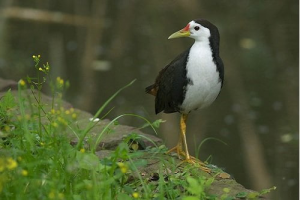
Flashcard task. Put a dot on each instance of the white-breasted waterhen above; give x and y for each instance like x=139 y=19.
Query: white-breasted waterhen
x=193 y=80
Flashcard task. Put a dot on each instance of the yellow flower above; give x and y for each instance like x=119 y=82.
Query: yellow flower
x=6 y=128
x=39 y=56
x=82 y=150
x=22 y=82
x=74 y=116
x=33 y=56
x=52 y=111
x=54 y=124
x=24 y=172
x=123 y=167
x=51 y=195
x=11 y=164
x=40 y=69
x=67 y=112
x=135 y=195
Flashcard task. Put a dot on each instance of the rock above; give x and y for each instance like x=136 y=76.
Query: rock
x=7 y=84
x=112 y=135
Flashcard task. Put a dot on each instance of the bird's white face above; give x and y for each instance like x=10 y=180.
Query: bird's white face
x=197 y=31
x=193 y=30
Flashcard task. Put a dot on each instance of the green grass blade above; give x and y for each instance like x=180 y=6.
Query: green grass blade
x=91 y=124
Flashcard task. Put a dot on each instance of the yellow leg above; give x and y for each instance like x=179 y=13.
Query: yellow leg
x=183 y=135
x=178 y=148
x=182 y=149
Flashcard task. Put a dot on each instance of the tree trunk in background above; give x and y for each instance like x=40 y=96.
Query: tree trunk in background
x=3 y=43
x=57 y=55
x=253 y=149
x=123 y=32
x=93 y=36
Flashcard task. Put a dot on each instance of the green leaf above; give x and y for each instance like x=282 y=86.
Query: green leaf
x=88 y=161
x=7 y=101
x=190 y=198
x=123 y=196
x=226 y=190
x=252 y=195
x=194 y=187
x=266 y=191
x=241 y=195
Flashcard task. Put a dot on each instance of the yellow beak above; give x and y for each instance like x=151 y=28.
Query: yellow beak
x=185 y=32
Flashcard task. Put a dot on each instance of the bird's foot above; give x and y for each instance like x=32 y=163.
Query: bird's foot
x=189 y=159
x=197 y=163
x=178 y=149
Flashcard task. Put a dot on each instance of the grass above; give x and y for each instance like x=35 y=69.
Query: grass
x=37 y=160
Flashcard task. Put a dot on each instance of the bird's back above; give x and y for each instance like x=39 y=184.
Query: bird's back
x=170 y=84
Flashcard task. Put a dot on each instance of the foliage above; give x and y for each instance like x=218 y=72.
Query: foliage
x=37 y=160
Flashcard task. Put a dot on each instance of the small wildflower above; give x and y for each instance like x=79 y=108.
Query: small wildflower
x=52 y=111
x=33 y=56
x=22 y=82
x=60 y=82
x=6 y=128
x=82 y=150
x=94 y=119
x=51 y=195
x=24 y=172
x=11 y=164
x=40 y=69
x=54 y=124
x=74 y=116
x=123 y=167
x=67 y=112
x=39 y=56
x=135 y=195
x=60 y=119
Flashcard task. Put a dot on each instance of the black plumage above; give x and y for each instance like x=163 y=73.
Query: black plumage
x=170 y=85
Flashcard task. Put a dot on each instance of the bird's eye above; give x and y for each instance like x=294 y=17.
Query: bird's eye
x=197 y=28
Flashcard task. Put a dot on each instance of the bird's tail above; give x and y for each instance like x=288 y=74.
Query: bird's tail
x=152 y=89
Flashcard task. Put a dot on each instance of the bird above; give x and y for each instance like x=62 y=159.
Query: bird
x=192 y=81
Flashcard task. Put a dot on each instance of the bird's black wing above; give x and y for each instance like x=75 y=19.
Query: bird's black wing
x=171 y=83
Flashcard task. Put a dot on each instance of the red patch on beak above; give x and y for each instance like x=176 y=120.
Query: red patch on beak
x=187 y=28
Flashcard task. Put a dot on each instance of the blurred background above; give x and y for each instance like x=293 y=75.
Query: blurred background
x=101 y=45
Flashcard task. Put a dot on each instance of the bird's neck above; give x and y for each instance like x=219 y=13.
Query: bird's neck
x=201 y=46
x=207 y=45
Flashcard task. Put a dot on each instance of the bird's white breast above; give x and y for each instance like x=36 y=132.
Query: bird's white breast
x=204 y=85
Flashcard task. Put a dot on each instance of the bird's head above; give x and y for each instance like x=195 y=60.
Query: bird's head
x=197 y=29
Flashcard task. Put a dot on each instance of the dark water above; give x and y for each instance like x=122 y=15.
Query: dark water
x=256 y=114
